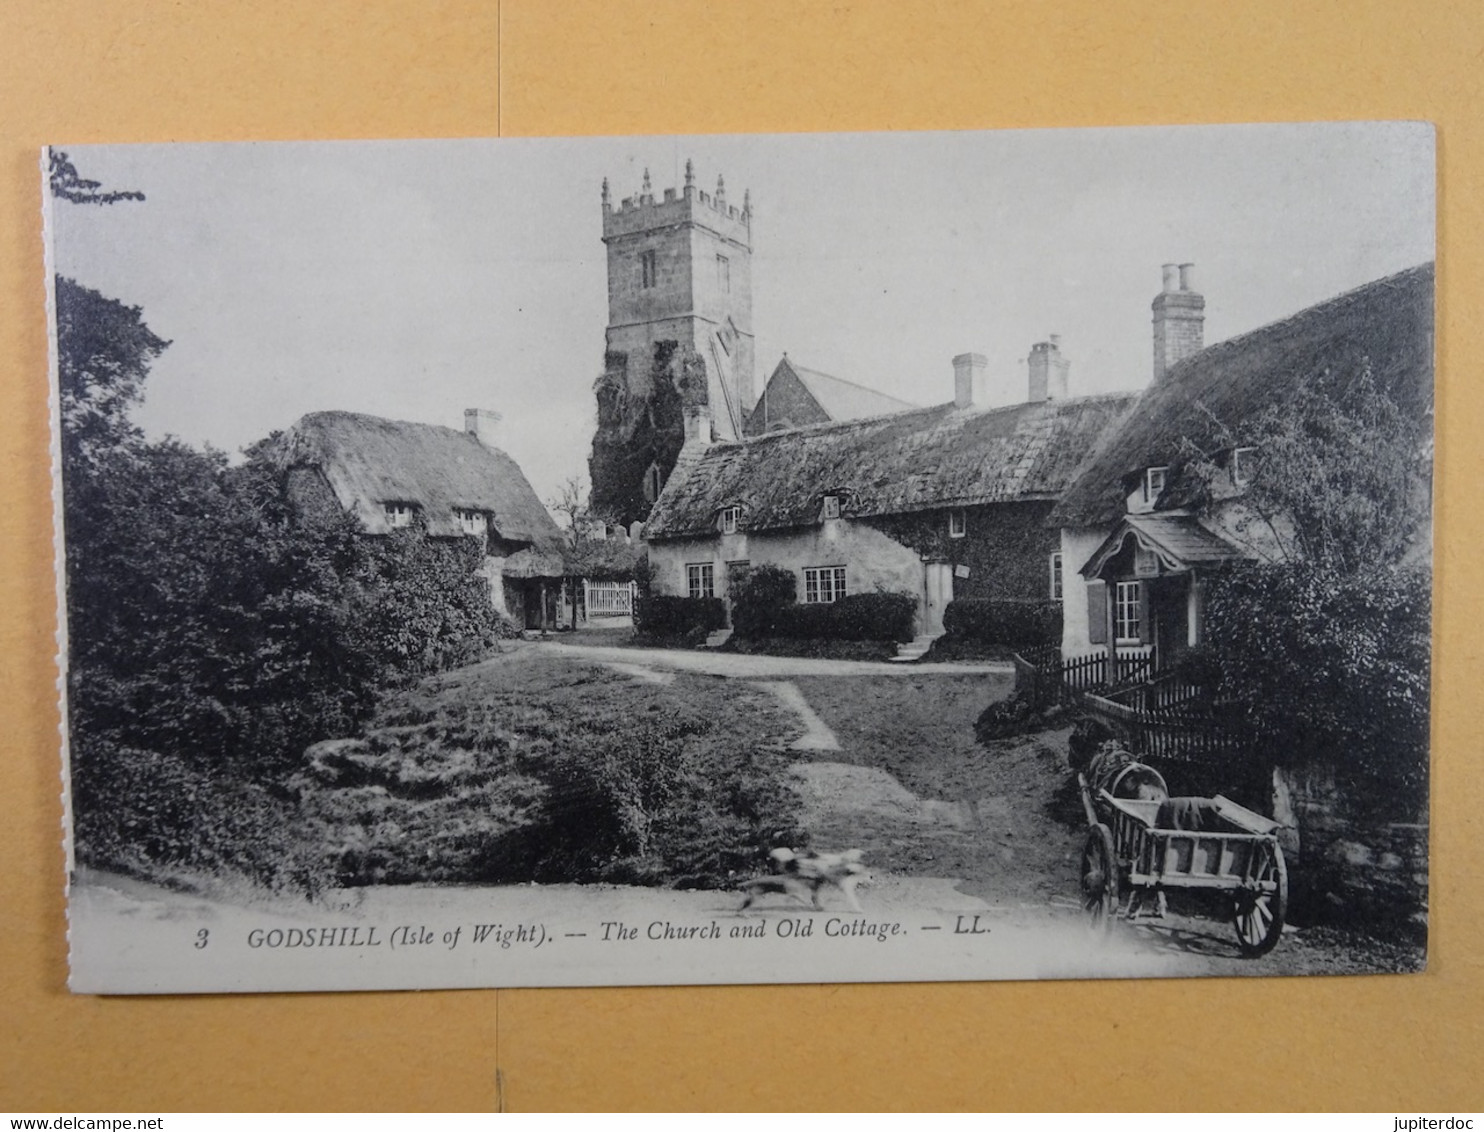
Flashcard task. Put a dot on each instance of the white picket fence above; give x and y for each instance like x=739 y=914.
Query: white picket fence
x=609 y=599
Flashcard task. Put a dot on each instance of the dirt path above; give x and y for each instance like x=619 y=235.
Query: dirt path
x=752 y=667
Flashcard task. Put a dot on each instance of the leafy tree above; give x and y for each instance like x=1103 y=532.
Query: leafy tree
x=69 y=185
x=1323 y=648
x=104 y=354
x=1339 y=476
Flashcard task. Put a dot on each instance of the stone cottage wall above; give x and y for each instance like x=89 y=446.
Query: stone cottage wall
x=1348 y=858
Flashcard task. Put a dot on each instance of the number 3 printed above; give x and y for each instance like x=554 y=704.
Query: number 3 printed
x=202 y=937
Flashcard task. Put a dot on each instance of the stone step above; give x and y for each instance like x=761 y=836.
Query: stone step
x=718 y=638
x=913 y=650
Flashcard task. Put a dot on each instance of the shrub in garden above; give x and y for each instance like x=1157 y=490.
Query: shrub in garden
x=661 y=615
x=759 y=595
x=1011 y=623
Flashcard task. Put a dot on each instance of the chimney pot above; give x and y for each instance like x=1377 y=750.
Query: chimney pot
x=1179 y=318
x=969 y=380
x=1046 y=371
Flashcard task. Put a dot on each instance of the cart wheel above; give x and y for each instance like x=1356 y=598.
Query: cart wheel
x=1099 y=878
x=1259 y=909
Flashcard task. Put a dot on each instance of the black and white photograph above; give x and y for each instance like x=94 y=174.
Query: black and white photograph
x=744 y=559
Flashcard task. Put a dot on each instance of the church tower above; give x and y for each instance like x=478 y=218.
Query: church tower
x=679 y=296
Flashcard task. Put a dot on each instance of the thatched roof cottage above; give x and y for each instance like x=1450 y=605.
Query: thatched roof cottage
x=1126 y=524
x=942 y=502
x=392 y=474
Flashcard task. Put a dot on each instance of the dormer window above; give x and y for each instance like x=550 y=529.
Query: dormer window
x=471 y=522
x=729 y=519
x=1154 y=484
x=1244 y=464
x=399 y=514
x=831 y=506
x=958 y=523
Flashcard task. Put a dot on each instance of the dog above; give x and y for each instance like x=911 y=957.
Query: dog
x=795 y=874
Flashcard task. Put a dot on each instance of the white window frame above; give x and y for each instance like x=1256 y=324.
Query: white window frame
x=1056 y=578
x=399 y=515
x=823 y=585
x=473 y=522
x=1127 y=597
x=1154 y=483
x=958 y=523
x=831 y=507
x=700 y=579
x=730 y=516
x=1240 y=456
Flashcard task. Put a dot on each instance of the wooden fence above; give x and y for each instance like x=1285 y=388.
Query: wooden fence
x=1160 y=717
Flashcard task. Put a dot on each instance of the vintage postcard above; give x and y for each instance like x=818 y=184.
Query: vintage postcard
x=744 y=559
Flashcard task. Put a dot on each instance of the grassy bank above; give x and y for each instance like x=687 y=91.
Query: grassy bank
x=529 y=767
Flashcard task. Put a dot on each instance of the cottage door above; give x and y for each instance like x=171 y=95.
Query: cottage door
x=937 y=592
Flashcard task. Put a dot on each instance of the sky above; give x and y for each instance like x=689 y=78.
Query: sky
x=415 y=279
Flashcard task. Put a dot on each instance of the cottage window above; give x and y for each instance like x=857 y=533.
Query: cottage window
x=824 y=584
x=831 y=506
x=472 y=522
x=729 y=519
x=700 y=579
x=723 y=273
x=958 y=523
x=1154 y=484
x=648 y=268
x=1056 y=577
x=1244 y=463
x=399 y=514
x=1127 y=609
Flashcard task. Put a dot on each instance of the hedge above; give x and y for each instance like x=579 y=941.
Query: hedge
x=763 y=606
x=663 y=616
x=1003 y=622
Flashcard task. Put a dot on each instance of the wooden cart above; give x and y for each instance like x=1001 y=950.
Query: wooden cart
x=1129 y=853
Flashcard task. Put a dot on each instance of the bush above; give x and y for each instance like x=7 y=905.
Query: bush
x=664 y=616
x=1330 y=669
x=1017 y=715
x=759 y=595
x=1014 y=623
x=763 y=606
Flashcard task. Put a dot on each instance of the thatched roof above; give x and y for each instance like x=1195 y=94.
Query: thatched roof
x=1386 y=325
x=370 y=462
x=902 y=462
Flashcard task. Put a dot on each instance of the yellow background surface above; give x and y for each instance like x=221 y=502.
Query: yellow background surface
x=74 y=71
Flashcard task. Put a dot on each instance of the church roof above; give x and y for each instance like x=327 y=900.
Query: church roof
x=1385 y=327
x=907 y=461
x=845 y=400
x=370 y=462
x=836 y=399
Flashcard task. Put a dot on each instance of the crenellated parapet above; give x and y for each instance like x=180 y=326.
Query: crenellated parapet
x=644 y=212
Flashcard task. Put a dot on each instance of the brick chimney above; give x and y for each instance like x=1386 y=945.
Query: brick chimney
x=1048 y=371
x=483 y=425
x=969 y=381
x=1179 y=318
